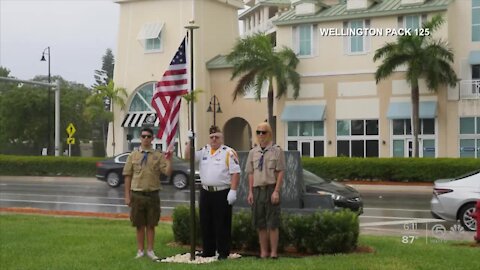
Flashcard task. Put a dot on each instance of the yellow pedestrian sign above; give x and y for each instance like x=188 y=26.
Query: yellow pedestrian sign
x=71 y=130
x=70 y=140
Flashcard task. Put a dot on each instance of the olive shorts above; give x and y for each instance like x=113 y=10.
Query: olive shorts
x=145 y=208
x=265 y=215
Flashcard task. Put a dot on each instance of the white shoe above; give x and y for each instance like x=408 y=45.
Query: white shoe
x=139 y=254
x=152 y=255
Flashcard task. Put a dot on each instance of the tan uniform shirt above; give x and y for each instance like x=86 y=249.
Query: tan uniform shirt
x=273 y=162
x=145 y=172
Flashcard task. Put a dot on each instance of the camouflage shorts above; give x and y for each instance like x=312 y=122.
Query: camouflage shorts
x=145 y=208
x=265 y=215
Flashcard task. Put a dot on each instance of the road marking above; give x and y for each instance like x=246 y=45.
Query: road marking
x=386 y=217
x=398 y=209
x=400 y=222
x=89 y=197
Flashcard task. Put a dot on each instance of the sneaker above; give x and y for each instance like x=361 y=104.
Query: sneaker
x=139 y=254
x=152 y=255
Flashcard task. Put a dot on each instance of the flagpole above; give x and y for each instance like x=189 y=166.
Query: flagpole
x=192 y=27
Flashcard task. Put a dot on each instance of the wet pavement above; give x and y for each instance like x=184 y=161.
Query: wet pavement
x=389 y=210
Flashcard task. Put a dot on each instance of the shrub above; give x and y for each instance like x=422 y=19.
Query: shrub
x=244 y=235
x=319 y=232
x=181 y=224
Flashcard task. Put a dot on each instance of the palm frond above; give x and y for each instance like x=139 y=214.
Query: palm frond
x=245 y=82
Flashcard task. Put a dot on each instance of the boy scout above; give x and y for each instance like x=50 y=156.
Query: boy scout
x=142 y=183
x=265 y=168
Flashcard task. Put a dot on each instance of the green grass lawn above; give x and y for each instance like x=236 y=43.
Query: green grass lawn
x=44 y=242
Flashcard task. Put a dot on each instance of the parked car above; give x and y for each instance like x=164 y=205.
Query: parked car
x=455 y=199
x=110 y=170
x=343 y=196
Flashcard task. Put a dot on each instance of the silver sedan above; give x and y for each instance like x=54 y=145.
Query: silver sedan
x=455 y=199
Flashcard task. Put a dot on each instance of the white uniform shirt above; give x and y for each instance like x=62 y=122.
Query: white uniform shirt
x=215 y=170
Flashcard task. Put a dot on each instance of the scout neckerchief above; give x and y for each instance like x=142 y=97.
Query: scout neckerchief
x=263 y=151
x=145 y=157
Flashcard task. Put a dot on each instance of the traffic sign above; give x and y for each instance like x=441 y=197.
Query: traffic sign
x=71 y=130
x=70 y=140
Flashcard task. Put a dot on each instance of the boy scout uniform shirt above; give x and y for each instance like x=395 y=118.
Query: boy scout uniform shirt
x=273 y=161
x=145 y=173
x=216 y=168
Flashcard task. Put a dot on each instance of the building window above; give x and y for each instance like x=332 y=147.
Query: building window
x=356 y=42
x=412 y=22
x=470 y=137
x=304 y=39
x=153 y=44
x=150 y=36
x=357 y=138
x=306 y=137
x=475 y=20
x=402 y=139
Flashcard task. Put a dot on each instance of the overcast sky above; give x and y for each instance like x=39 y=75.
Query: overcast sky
x=77 y=31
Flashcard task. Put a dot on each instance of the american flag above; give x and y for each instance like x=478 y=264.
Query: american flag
x=167 y=97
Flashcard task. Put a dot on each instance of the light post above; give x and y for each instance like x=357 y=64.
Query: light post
x=215 y=102
x=47 y=52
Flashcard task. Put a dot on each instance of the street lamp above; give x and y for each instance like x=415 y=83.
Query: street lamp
x=214 y=101
x=47 y=52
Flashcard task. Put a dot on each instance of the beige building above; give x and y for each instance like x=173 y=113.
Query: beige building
x=341 y=110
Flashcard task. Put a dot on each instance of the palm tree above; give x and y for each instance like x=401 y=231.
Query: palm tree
x=424 y=57
x=256 y=61
x=106 y=94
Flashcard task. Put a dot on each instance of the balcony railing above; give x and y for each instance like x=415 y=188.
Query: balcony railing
x=264 y=27
x=470 y=89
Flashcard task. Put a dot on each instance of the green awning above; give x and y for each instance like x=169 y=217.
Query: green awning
x=303 y=113
x=474 y=58
x=403 y=110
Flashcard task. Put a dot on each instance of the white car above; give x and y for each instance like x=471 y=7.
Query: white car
x=455 y=199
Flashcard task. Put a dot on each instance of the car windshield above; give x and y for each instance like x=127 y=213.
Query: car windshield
x=310 y=178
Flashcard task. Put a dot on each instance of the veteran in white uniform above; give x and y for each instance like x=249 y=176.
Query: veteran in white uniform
x=220 y=174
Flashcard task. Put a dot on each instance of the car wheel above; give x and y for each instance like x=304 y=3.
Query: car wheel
x=467 y=221
x=113 y=179
x=180 y=180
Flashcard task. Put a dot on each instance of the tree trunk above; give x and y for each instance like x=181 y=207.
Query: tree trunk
x=104 y=139
x=415 y=117
x=113 y=133
x=270 y=111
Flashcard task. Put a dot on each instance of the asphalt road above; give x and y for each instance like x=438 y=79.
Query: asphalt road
x=392 y=210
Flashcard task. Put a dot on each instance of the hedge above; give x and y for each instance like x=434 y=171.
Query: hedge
x=390 y=169
x=337 y=168
x=47 y=165
x=324 y=232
